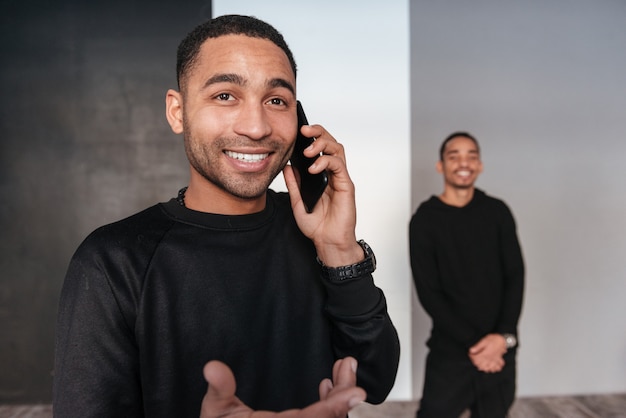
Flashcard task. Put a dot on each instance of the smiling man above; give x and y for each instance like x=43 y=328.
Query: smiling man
x=469 y=274
x=228 y=270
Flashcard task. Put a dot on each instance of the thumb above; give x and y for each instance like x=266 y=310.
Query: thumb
x=220 y=379
x=220 y=399
x=477 y=348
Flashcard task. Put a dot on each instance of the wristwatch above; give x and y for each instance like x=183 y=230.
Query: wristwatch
x=511 y=340
x=366 y=266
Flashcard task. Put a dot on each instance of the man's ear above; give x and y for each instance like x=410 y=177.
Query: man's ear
x=174 y=110
x=439 y=167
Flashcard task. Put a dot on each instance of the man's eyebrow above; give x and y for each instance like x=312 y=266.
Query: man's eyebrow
x=225 y=78
x=240 y=81
x=281 y=82
x=456 y=151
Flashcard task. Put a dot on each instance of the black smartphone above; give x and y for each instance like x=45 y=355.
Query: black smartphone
x=311 y=186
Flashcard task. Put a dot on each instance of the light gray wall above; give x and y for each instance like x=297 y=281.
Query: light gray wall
x=543 y=87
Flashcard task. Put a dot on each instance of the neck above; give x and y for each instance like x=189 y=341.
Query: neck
x=456 y=196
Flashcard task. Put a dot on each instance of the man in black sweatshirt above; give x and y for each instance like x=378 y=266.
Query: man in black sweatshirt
x=228 y=270
x=469 y=275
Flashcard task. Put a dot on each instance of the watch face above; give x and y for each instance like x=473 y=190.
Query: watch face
x=511 y=341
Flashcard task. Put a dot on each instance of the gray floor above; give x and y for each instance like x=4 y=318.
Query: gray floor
x=590 y=406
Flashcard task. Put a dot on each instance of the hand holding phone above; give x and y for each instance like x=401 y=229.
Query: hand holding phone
x=311 y=186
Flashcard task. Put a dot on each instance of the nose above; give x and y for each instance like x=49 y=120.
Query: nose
x=252 y=122
x=464 y=161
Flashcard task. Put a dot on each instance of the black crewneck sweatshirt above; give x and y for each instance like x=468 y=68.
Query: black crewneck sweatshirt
x=148 y=300
x=468 y=270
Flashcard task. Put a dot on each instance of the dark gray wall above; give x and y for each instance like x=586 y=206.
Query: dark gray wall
x=84 y=141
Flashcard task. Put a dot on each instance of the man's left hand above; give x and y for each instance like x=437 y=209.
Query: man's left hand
x=487 y=354
x=337 y=396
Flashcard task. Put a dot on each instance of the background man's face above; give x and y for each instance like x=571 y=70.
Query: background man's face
x=461 y=163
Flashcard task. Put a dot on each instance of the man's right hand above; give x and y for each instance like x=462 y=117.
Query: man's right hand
x=337 y=396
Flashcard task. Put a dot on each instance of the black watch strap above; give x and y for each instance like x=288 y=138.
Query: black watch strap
x=353 y=271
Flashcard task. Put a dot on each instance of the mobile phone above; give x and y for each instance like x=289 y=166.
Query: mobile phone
x=311 y=186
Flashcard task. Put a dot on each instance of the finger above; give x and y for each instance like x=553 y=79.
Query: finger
x=316 y=131
x=325 y=387
x=292 y=185
x=336 y=400
x=220 y=398
x=344 y=376
x=335 y=406
x=295 y=197
x=479 y=345
x=344 y=372
x=324 y=142
x=477 y=348
x=333 y=158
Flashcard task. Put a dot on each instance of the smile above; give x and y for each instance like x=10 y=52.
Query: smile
x=248 y=158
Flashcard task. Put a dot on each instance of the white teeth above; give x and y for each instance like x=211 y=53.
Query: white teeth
x=249 y=158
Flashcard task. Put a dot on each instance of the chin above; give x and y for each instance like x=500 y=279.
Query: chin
x=249 y=193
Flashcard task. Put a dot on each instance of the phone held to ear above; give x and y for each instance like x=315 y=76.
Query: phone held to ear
x=311 y=186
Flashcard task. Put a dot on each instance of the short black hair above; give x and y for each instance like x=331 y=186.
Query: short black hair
x=189 y=47
x=456 y=135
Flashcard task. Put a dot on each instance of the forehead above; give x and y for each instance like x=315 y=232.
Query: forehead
x=461 y=144
x=239 y=54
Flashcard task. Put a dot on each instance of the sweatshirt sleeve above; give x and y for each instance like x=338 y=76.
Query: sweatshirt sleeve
x=363 y=330
x=426 y=276
x=513 y=268
x=96 y=372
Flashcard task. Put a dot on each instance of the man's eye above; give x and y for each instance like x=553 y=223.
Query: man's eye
x=223 y=96
x=276 y=101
